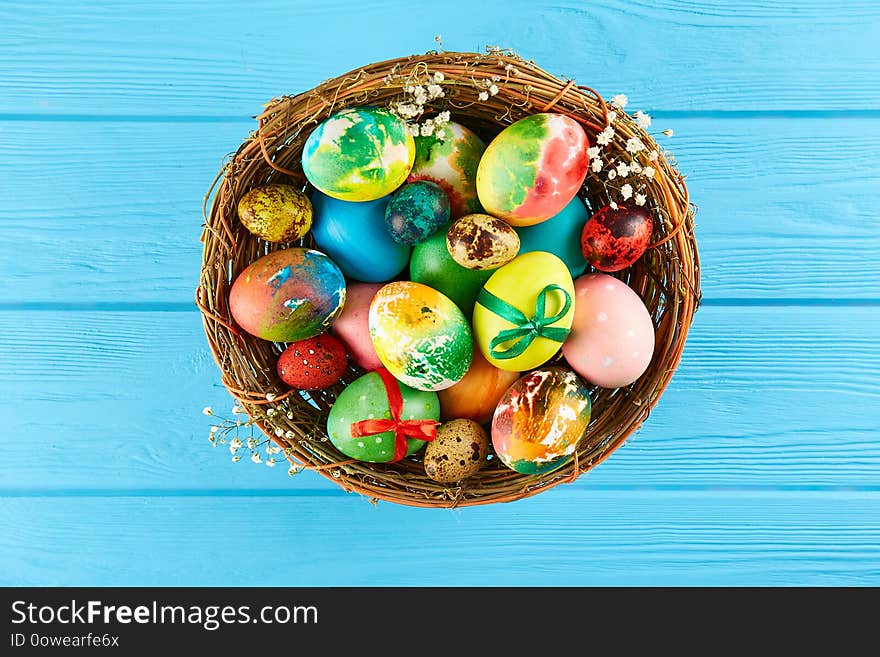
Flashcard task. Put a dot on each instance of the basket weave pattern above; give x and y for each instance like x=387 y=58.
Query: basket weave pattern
x=667 y=277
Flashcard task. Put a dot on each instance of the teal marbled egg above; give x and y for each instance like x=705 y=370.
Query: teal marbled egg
x=416 y=211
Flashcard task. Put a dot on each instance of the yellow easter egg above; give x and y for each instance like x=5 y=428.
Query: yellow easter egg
x=524 y=312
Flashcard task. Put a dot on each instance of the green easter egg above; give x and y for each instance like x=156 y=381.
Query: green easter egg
x=366 y=398
x=432 y=265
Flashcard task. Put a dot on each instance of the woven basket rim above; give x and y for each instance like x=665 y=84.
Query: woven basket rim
x=667 y=278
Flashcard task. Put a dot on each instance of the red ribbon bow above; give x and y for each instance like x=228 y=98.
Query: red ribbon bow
x=403 y=429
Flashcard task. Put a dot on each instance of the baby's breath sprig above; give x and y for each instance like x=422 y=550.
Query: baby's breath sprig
x=240 y=436
x=624 y=179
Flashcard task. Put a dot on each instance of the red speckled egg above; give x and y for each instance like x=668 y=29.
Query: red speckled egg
x=614 y=239
x=313 y=364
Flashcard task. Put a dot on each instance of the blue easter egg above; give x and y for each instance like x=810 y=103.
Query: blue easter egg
x=559 y=235
x=353 y=234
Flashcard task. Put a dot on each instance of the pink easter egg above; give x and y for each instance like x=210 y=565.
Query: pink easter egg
x=612 y=336
x=353 y=324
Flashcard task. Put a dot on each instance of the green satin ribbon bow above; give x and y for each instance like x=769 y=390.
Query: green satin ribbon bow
x=525 y=330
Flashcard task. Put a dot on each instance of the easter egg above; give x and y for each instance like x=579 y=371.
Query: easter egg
x=614 y=239
x=416 y=211
x=458 y=452
x=432 y=265
x=353 y=324
x=366 y=398
x=359 y=154
x=533 y=168
x=313 y=364
x=540 y=419
x=510 y=303
x=420 y=335
x=354 y=235
x=559 y=235
x=477 y=394
x=612 y=337
x=288 y=295
x=276 y=213
x=478 y=241
x=451 y=162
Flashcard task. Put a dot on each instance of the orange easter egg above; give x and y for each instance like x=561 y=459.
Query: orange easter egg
x=477 y=394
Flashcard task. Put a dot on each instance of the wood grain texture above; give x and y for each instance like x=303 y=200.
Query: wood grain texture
x=107 y=57
x=780 y=397
x=561 y=538
x=123 y=227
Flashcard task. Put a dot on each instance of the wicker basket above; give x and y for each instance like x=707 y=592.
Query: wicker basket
x=666 y=277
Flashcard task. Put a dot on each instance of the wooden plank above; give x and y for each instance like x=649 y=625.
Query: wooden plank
x=226 y=58
x=778 y=397
x=110 y=212
x=564 y=538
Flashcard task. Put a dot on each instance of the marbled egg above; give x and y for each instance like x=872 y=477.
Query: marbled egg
x=432 y=265
x=452 y=163
x=533 y=169
x=353 y=324
x=478 y=241
x=476 y=395
x=354 y=235
x=612 y=337
x=276 y=213
x=519 y=284
x=313 y=363
x=614 y=239
x=559 y=235
x=420 y=335
x=540 y=419
x=359 y=154
x=458 y=452
x=416 y=211
x=288 y=295
x=366 y=398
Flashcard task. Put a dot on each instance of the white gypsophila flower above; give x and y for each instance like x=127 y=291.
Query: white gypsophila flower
x=236 y=458
x=271 y=412
x=493 y=90
x=279 y=432
x=435 y=91
x=427 y=129
x=483 y=95
x=640 y=199
x=626 y=191
x=669 y=132
x=612 y=117
x=440 y=134
x=255 y=457
x=270 y=463
x=438 y=76
x=443 y=118
x=604 y=138
x=289 y=435
x=215 y=429
x=232 y=449
x=634 y=145
x=251 y=443
x=622 y=169
x=619 y=101
x=596 y=165
x=653 y=155
x=207 y=410
x=272 y=449
x=648 y=172
x=593 y=152
x=271 y=396
x=412 y=129
x=237 y=410
x=612 y=174
x=642 y=118
x=612 y=205
x=292 y=470
x=236 y=442
x=635 y=167
x=212 y=439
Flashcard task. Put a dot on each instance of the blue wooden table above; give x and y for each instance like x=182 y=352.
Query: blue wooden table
x=761 y=464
